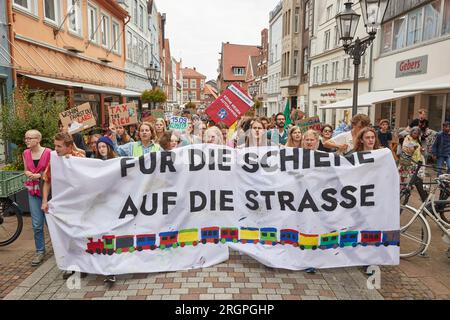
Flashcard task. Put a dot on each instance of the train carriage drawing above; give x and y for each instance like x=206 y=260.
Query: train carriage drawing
x=391 y=238
x=229 y=235
x=125 y=244
x=145 y=242
x=329 y=240
x=210 y=235
x=289 y=236
x=168 y=240
x=348 y=239
x=308 y=241
x=268 y=236
x=188 y=237
x=370 y=238
x=95 y=246
x=249 y=235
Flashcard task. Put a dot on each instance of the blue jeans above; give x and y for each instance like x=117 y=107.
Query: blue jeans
x=440 y=162
x=37 y=221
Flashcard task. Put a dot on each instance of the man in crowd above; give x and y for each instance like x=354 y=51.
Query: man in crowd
x=279 y=134
x=64 y=146
x=441 y=148
x=344 y=142
x=384 y=134
x=420 y=122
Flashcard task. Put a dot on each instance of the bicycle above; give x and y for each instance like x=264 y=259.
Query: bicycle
x=415 y=230
x=11 y=221
x=417 y=181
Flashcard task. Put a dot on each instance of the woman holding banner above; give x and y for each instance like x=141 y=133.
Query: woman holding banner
x=310 y=140
x=294 y=138
x=367 y=140
x=35 y=159
x=256 y=136
x=213 y=135
x=146 y=145
x=169 y=140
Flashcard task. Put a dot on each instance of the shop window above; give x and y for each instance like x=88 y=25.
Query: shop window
x=436 y=111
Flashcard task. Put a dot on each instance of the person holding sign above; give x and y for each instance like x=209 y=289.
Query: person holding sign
x=294 y=138
x=146 y=145
x=35 y=160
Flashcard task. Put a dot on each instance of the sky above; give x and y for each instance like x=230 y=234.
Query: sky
x=197 y=28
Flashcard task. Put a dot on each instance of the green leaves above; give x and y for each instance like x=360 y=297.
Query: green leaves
x=154 y=95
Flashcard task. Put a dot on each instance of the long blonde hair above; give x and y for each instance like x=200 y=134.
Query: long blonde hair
x=290 y=141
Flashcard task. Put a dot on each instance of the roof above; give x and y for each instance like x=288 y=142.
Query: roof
x=191 y=73
x=236 y=55
x=252 y=67
x=210 y=90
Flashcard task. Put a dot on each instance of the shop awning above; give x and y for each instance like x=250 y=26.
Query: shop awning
x=86 y=86
x=368 y=99
x=440 y=83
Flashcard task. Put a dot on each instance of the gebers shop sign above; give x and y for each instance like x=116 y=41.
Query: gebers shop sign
x=412 y=66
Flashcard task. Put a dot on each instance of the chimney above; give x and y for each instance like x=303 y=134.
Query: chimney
x=195 y=69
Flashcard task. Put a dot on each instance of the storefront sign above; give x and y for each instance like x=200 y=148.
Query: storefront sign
x=230 y=106
x=412 y=66
x=123 y=114
x=78 y=118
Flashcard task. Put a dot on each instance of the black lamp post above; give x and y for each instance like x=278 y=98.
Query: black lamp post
x=153 y=74
x=347 y=23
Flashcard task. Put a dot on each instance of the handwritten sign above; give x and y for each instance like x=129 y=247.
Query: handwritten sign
x=178 y=123
x=78 y=118
x=309 y=123
x=123 y=114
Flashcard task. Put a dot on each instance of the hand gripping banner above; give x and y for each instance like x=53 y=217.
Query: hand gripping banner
x=287 y=208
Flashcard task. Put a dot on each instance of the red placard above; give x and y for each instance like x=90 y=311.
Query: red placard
x=230 y=106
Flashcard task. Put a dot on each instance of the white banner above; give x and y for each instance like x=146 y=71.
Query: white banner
x=287 y=208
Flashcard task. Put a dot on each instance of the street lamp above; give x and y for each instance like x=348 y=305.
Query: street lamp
x=153 y=74
x=347 y=23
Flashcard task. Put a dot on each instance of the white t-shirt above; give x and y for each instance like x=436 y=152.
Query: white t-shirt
x=344 y=138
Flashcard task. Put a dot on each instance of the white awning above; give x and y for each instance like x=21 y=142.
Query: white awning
x=440 y=83
x=368 y=99
x=86 y=86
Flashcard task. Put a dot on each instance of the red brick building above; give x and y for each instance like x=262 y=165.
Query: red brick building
x=193 y=86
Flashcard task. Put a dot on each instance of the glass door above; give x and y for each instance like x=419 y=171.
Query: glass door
x=436 y=111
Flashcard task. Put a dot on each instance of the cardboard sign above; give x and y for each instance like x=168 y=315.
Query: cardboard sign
x=309 y=123
x=158 y=113
x=123 y=114
x=178 y=123
x=78 y=118
x=230 y=106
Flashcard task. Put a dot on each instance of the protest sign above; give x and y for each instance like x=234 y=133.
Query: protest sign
x=178 y=123
x=123 y=114
x=78 y=118
x=232 y=104
x=287 y=208
x=309 y=123
x=158 y=113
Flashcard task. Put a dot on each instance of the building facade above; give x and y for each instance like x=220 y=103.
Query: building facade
x=74 y=48
x=331 y=69
x=193 y=86
x=141 y=36
x=274 y=99
x=411 y=57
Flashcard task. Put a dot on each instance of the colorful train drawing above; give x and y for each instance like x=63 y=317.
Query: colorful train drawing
x=110 y=244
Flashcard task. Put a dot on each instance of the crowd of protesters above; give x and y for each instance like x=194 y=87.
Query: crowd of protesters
x=149 y=137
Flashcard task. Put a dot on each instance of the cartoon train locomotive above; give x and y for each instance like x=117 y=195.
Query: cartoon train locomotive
x=110 y=244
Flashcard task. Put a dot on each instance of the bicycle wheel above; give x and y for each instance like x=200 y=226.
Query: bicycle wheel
x=414 y=238
x=11 y=222
x=445 y=215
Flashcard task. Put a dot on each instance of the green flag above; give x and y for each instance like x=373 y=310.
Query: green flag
x=287 y=114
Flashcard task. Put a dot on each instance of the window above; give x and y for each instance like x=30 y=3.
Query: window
x=329 y=12
x=347 y=69
x=92 y=23
x=415 y=23
x=336 y=37
x=399 y=33
x=295 y=63
x=135 y=49
x=325 y=73
x=431 y=19
x=237 y=71
x=193 y=84
x=362 y=66
x=446 y=18
x=306 y=18
x=135 y=12
x=202 y=84
x=74 y=16
x=327 y=40
x=140 y=59
x=116 y=37
x=141 y=17
x=146 y=58
x=297 y=19
x=105 y=30
x=185 y=84
x=51 y=10
x=335 y=71
x=27 y=5
x=129 y=46
x=386 y=44
x=305 y=61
